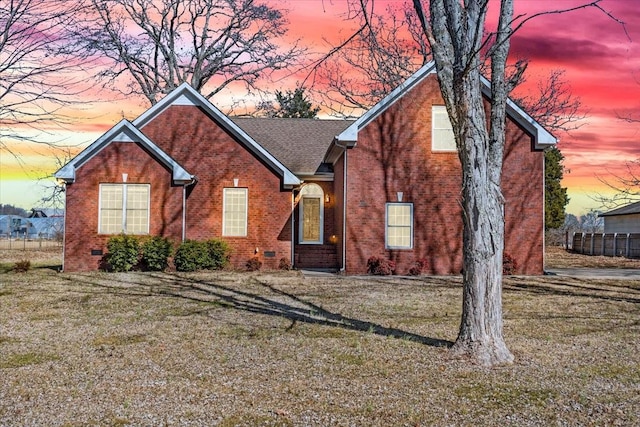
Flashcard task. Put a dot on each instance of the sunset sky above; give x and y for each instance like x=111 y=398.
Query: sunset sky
x=601 y=63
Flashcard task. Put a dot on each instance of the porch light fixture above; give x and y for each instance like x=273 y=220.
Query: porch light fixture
x=327 y=199
x=399 y=194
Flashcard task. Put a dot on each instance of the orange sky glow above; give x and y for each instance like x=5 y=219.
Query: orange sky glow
x=601 y=63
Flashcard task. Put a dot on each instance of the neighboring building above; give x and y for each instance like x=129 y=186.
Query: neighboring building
x=622 y=220
x=321 y=194
x=12 y=226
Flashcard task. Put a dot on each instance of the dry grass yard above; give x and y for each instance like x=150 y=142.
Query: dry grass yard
x=279 y=349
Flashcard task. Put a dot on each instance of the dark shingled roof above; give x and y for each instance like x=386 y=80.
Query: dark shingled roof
x=633 y=208
x=300 y=144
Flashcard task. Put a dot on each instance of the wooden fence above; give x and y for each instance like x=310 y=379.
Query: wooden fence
x=607 y=244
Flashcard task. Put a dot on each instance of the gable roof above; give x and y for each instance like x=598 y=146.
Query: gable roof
x=301 y=144
x=542 y=137
x=633 y=208
x=124 y=131
x=186 y=95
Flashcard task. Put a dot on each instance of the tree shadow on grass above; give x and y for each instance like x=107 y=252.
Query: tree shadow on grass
x=273 y=302
x=575 y=287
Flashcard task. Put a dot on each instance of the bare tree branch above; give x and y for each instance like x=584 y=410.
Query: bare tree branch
x=37 y=64
x=150 y=47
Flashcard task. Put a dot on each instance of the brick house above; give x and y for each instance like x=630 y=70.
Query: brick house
x=319 y=193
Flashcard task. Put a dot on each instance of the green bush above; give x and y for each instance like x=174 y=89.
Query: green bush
x=191 y=255
x=194 y=255
x=123 y=252
x=156 y=252
x=219 y=252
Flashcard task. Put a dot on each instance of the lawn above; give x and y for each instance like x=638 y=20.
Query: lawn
x=280 y=349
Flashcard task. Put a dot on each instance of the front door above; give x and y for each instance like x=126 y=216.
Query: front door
x=311 y=214
x=311 y=220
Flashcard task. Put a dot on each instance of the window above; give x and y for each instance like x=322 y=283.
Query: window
x=124 y=208
x=234 y=218
x=442 y=138
x=311 y=208
x=399 y=225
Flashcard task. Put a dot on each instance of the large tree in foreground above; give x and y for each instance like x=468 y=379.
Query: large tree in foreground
x=458 y=35
x=149 y=47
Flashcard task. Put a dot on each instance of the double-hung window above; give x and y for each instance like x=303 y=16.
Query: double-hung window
x=399 y=226
x=124 y=208
x=442 y=138
x=234 y=206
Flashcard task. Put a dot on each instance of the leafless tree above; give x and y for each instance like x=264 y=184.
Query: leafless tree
x=463 y=47
x=374 y=62
x=458 y=33
x=37 y=68
x=149 y=47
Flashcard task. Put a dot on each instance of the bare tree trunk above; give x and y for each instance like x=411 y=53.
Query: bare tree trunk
x=480 y=336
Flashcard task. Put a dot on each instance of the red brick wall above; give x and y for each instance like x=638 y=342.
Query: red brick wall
x=81 y=234
x=205 y=150
x=394 y=154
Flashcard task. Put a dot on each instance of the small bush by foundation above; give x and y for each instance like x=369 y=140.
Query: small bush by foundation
x=194 y=255
x=155 y=253
x=123 y=252
x=380 y=266
x=284 y=264
x=253 y=264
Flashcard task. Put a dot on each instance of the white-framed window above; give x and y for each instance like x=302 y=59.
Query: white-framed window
x=311 y=209
x=235 y=207
x=442 y=138
x=124 y=208
x=399 y=226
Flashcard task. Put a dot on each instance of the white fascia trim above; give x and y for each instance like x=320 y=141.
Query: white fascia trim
x=124 y=131
x=350 y=134
x=542 y=138
x=186 y=95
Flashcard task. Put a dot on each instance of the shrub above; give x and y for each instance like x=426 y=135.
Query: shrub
x=191 y=255
x=509 y=264
x=22 y=266
x=194 y=255
x=418 y=267
x=253 y=264
x=219 y=252
x=380 y=266
x=156 y=252
x=284 y=264
x=123 y=252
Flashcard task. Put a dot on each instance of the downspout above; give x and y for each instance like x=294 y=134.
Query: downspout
x=293 y=227
x=344 y=207
x=184 y=206
x=64 y=219
x=544 y=211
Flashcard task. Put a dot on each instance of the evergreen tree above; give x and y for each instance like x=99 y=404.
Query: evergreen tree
x=294 y=104
x=555 y=195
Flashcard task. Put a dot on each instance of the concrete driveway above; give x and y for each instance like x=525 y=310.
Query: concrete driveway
x=599 y=273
